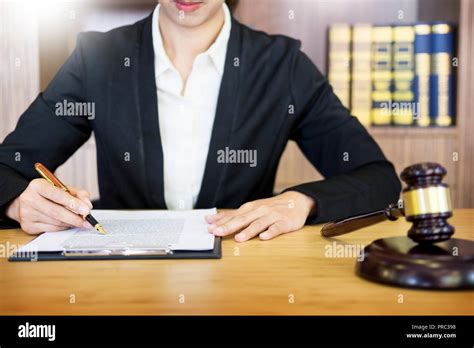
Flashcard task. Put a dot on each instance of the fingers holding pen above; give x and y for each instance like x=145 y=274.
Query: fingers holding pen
x=81 y=194
x=57 y=212
x=61 y=197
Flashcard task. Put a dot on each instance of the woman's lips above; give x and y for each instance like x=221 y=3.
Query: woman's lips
x=187 y=6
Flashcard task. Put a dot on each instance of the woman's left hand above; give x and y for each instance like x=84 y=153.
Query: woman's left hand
x=267 y=218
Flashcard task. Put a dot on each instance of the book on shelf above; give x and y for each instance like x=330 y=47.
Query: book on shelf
x=422 y=73
x=382 y=75
x=339 y=61
x=441 y=78
x=361 y=86
x=404 y=108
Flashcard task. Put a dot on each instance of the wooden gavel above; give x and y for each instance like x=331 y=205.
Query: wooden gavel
x=428 y=258
x=426 y=203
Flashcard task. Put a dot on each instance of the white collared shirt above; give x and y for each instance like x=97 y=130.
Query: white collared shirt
x=186 y=120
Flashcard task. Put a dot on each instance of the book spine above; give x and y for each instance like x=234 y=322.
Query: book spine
x=422 y=73
x=403 y=110
x=381 y=75
x=441 y=79
x=361 y=87
x=339 y=61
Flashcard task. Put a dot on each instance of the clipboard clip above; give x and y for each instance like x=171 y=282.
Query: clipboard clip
x=116 y=252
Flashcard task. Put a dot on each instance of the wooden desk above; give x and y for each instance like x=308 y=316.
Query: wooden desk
x=252 y=278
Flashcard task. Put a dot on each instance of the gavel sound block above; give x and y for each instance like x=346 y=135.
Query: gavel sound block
x=428 y=257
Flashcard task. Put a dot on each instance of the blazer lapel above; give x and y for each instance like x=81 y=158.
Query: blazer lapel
x=225 y=114
x=152 y=150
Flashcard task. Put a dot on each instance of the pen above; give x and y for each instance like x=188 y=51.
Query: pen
x=53 y=180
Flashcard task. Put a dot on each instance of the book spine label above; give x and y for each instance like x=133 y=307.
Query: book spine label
x=441 y=78
x=381 y=75
x=339 y=73
x=404 y=107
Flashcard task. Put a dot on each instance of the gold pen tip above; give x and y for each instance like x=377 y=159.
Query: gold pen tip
x=99 y=228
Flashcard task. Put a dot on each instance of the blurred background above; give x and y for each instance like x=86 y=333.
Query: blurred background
x=37 y=36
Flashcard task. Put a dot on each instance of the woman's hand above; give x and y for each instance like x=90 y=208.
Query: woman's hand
x=267 y=218
x=43 y=207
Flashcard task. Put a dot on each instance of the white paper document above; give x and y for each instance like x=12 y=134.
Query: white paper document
x=140 y=229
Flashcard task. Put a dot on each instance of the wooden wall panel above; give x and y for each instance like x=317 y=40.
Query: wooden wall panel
x=465 y=104
x=19 y=69
x=407 y=149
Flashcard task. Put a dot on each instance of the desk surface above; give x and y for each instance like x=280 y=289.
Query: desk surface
x=289 y=275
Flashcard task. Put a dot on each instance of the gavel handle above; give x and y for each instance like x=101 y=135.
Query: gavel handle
x=332 y=229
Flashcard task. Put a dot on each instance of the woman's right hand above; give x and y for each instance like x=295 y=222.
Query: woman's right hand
x=44 y=207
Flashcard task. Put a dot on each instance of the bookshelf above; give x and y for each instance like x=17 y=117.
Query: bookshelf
x=54 y=37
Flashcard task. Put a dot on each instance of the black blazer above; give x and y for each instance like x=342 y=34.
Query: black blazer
x=270 y=93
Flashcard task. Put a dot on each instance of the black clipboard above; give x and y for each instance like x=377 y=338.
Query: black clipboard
x=215 y=253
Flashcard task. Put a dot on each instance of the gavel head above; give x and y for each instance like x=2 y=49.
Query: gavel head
x=427 y=203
